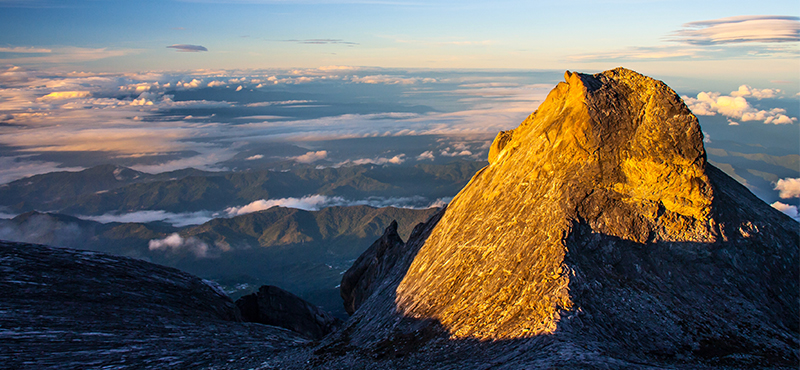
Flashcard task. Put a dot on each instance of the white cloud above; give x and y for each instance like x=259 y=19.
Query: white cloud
x=239 y=88
x=254 y=157
x=427 y=155
x=216 y=83
x=455 y=153
x=736 y=107
x=746 y=90
x=175 y=219
x=390 y=80
x=788 y=188
x=175 y=243
x=789 y=210
x=61 y=95
x=741 y=29
x=398 y=159
x=310 y=157
x=308 y=203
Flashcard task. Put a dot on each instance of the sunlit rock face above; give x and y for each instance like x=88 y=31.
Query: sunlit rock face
x=600 y=198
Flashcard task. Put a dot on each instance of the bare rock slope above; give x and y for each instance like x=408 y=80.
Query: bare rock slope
x=598 y=234
x=70 y=309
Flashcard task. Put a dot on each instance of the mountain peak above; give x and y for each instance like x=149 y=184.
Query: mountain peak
x=613 y=160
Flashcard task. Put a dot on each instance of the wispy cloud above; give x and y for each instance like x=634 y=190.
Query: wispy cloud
x=63 y=55
x=322 y=42
x=741 y=29
x=25 y=50
x=186 y=48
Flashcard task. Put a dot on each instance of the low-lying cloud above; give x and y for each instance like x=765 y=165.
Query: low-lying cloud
x=176 y=219
x=788 y=188
x=310 y=157
x=789 y=210
x=317 y=202
x=177 y=244
x=736 y=107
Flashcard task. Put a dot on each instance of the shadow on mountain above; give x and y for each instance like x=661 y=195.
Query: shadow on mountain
x=731 y=303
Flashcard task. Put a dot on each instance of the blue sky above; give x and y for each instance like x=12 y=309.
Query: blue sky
x=579 y=35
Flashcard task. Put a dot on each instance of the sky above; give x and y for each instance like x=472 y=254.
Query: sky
x=753 y=40
x=242 y=84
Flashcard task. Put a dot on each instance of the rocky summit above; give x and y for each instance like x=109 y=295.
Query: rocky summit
x=600 y=228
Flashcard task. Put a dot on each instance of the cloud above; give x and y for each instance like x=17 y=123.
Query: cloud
x=175 y=219
x=216 y=83
x=317 y=202
x=308 y=203
x=398 y=159
x=271 y=103
x=789 y=210
x=759 y=94
x=390 y=80
x=741 y=29
x=323 y=42
x=15 y=168
x=310 y=157
x=788 y=188
x=185 y=48
x=456 y=153
x=25 y=50
x=252 y=158
x=60 y=95
x=427 y=155
x=736 y=106
x=66 y=55
x=175 y=243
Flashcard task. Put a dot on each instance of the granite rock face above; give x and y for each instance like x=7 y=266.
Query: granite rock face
x=361 y=280
x=274 y=306
x=598 y=234
x=71 y=309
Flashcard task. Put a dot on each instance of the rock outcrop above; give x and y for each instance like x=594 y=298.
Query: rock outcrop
x=599 y=225
x=71 y=309
x=361 y=279
x=274 y=306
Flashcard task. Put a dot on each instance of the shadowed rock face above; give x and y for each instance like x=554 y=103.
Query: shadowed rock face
x=274 y=306
x=598 y=220
x=64 y=308
x=361 y=280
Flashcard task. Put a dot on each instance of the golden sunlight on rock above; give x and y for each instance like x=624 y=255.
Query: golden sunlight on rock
x=618 y=151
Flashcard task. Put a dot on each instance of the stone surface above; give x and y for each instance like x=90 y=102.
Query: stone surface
x=274 y=306
x=361 y=279
x=597 y=236
x=70 y=309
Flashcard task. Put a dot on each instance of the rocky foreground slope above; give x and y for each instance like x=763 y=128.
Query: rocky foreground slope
x=69 y=309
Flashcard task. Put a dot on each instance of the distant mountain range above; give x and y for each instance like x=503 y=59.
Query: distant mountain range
x=302 y=251
x=109 y=188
